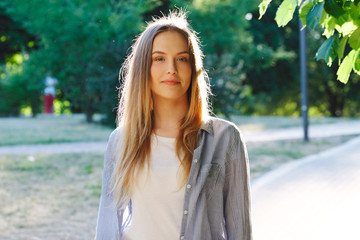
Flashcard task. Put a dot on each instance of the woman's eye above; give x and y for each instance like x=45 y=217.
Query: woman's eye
x=159 y=59
x=182 y=59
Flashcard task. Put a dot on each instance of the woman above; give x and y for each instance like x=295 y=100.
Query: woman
x=180 y=173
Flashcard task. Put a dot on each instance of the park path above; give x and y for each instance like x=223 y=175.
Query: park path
x=54 y=148
x=315 y=198
x=315 y=131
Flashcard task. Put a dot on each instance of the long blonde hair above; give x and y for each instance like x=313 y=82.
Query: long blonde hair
x=135 y=116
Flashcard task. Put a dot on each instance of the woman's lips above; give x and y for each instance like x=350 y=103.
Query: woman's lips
x=171 y=82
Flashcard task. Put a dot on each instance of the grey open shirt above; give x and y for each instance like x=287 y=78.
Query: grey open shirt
x=217 y=195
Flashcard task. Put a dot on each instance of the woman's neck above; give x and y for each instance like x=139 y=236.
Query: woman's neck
x=168 y=116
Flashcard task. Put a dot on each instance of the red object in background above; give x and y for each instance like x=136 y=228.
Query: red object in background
x=49 y=103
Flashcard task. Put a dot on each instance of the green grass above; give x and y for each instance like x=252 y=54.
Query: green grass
x=73 y=128
x=50 y=129
x=247 y=123
x=50 y=194
x=265 y=156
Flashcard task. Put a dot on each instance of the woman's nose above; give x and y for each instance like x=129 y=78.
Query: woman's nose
x=172 y=69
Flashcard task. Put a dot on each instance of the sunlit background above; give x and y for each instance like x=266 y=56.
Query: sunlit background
x=253 y=65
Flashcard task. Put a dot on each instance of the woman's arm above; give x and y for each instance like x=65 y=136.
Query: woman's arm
x=237 y=192
x=109 y=218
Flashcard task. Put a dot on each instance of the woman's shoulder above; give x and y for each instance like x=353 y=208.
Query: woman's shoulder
x=225 y=137
x=115 y=138
x=116 y=133
x=223 y=130
x=219 y=125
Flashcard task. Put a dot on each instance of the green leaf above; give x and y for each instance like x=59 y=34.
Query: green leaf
x=314 y=15
x=348 y=28
x=356 y=67
x=324 y=17
x=343 y=19
x=346 y=66
x=285 y=12
x=356 y=2
x=347 y=4
x=355 y=13
x=328 y=50
x=354 y=40
x=342 y=48
x=334 y=7
x=263 y=7
x=304 y=10
x=329 y=26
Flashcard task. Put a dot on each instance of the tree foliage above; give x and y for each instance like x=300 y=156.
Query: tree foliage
x=276 y=90
x=13 y=38
x=340 y=21
x=82 y=43
x=252 y=64
x=230 y=51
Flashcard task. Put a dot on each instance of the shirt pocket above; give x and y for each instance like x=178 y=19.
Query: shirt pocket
x=208 y=177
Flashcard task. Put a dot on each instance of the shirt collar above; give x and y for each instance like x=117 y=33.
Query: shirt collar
x=208 y=126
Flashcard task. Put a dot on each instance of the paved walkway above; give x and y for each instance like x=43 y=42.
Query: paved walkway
x=54 y=148
x=315 y=198
x=315 y=131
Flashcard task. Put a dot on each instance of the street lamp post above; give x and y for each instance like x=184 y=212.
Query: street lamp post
x=303 y=79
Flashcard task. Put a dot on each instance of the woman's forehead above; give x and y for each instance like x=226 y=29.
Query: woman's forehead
x=170 y=41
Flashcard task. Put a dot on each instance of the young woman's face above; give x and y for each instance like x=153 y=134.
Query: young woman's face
x=170 y=67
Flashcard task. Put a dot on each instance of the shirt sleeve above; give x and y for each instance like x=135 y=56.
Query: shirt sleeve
x=237 y=191
x=109 y=219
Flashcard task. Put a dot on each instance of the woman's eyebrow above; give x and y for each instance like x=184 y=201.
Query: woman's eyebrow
x=160 y=52
x=183 y=52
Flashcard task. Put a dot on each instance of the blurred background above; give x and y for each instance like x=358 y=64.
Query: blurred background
x=59 y=74
x=253 y=64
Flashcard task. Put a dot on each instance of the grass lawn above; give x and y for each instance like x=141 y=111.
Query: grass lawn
x=73 y=128
x=50 y=129
x=49 y=196
x=256 y=123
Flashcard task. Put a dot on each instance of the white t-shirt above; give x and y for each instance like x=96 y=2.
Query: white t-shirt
x=157 y=201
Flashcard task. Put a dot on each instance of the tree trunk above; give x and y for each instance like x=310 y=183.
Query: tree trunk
x=89 y=115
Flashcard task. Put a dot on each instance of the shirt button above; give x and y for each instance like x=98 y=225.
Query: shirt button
x=188 y=186
x=185 y=212
x=182 y=237
x=196 y=160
